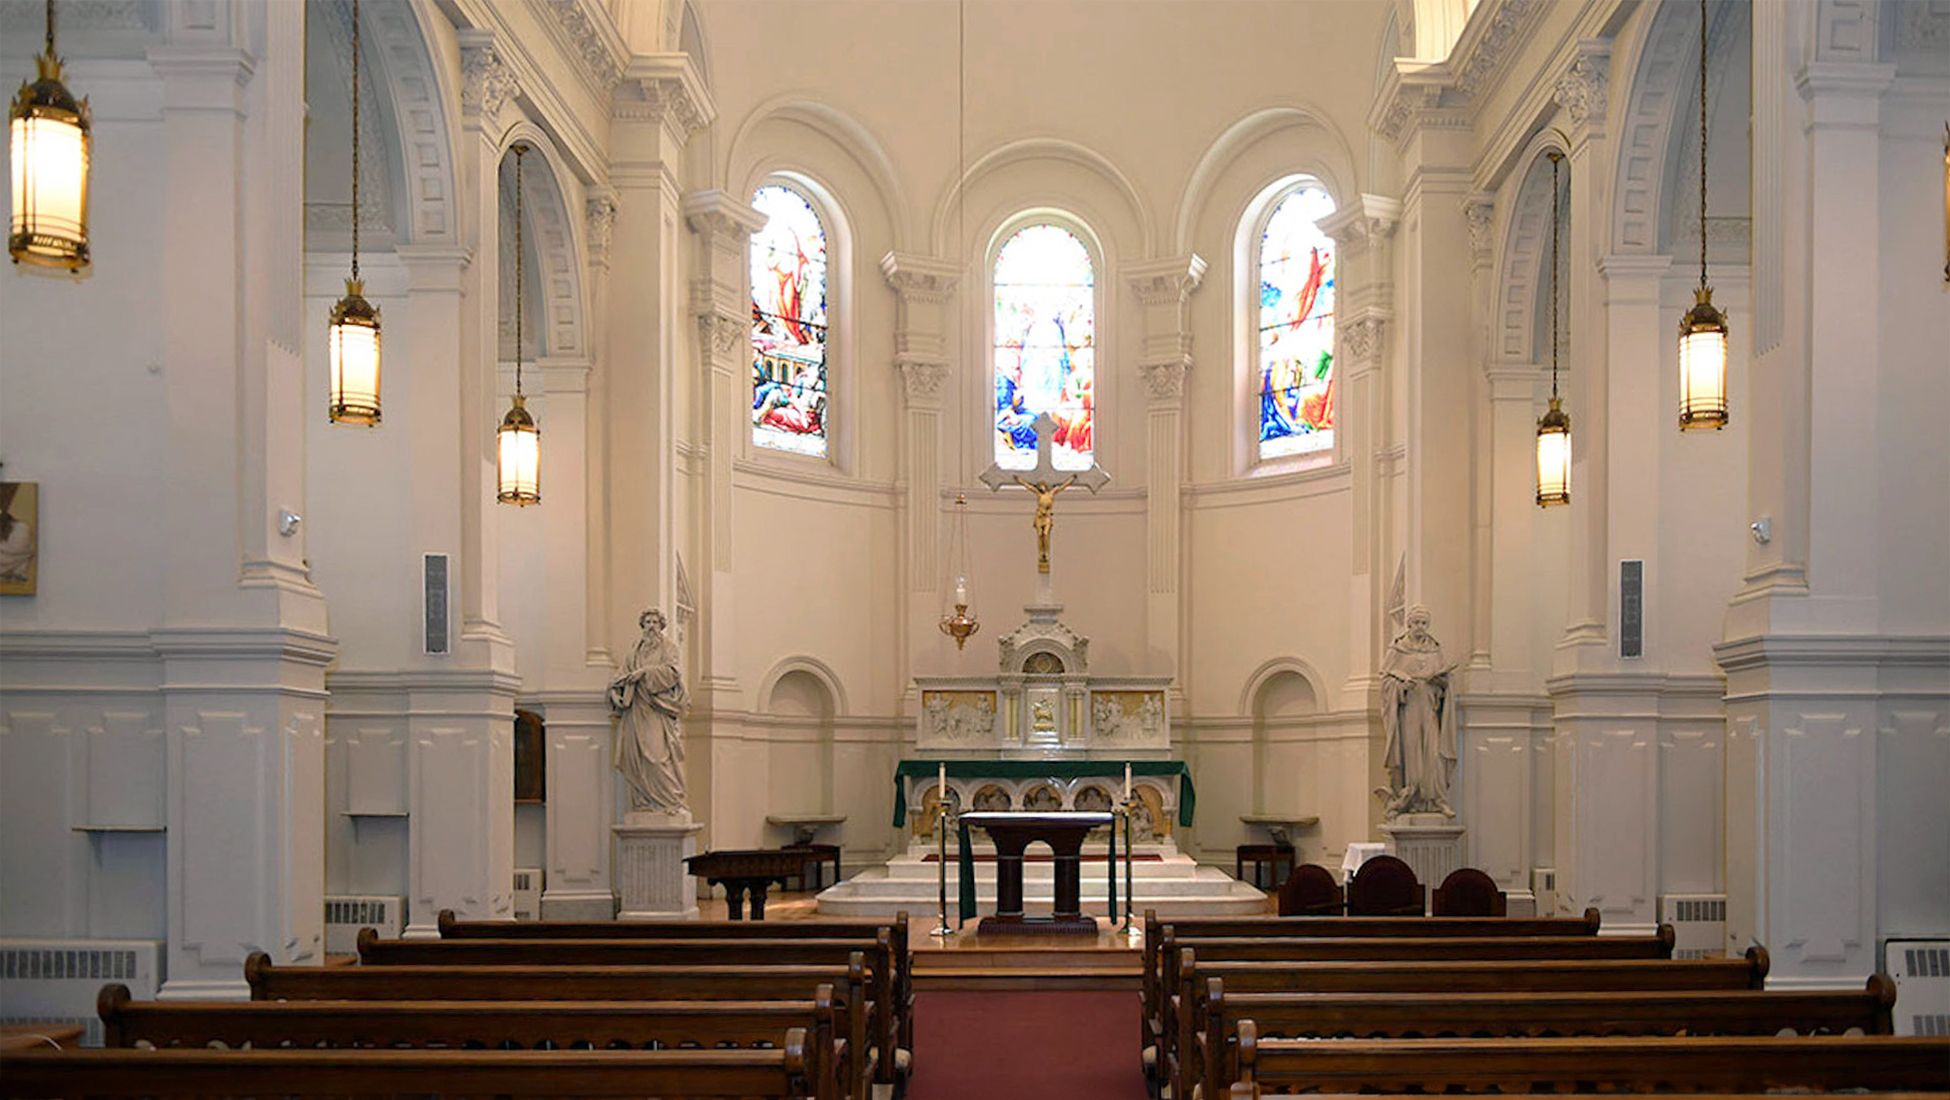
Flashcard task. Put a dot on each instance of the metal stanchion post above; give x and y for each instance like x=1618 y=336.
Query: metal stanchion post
x=1130 y=898
x=941 y=831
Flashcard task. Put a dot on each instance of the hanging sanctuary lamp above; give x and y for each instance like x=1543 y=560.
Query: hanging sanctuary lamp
x=50 y=137
x=1703 y=331
x=519 y=450
x=1554 y=430
x=960 y=624
x=354 y=333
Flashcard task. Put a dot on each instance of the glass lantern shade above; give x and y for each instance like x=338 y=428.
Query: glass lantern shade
x=50 y=139
x=520 y=457
x=1554 y=457
x=354 y=343
x=1703 y=365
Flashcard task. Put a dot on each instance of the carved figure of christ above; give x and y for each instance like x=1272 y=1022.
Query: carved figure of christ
x=1046 y=481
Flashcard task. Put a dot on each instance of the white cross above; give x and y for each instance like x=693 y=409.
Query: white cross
x=1045 y=480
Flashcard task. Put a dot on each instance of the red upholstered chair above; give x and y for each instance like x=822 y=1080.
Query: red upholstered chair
x=1468 y=892
x=1310 y=891
x=1384 y=887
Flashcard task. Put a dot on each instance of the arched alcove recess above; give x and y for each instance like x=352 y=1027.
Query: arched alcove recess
x=553 y=241
x=765 y=145
x=420 y=92
x=1087 y=199
x=1261 y=147
x=1521 y=276
x=1277 y=696
x=799 y=700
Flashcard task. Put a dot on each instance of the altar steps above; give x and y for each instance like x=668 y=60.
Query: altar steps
x=1167 y=881
x=966 y=965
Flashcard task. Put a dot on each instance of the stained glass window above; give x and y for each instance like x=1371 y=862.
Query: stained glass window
x=1296 y=327
x=1045 y=311
x=788 y=324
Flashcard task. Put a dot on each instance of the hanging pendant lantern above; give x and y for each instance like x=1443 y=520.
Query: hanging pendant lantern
x=519 y=442
x=960 y=624
x=51 y=141
x=1703 y=331
x=353 y=336
x=1554 y=430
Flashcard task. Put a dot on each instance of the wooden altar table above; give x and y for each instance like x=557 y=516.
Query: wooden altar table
x=1013 y=832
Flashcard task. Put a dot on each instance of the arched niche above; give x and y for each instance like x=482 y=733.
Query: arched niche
x=799 y=700
x=552 y=322
x=1279 y=697
x=1520 y=327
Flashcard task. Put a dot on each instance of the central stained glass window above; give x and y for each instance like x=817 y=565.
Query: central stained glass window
x=1296 y=327
x=788 y=324
x=1045 y=347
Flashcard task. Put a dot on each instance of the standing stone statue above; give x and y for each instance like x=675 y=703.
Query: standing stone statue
x=649 y=701
x=1418 y=712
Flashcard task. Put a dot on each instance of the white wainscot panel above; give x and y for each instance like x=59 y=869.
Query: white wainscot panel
x=375 y=767
x=127 y=770
x=1617 y=780
x=1691 y=789
x=34 y=820
x=1496 y=806
x=1915 y=821
x=1825 y=832
x=578 y=805
x=450 y=844
x=221 y=838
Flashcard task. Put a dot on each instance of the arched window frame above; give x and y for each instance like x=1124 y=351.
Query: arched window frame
x=840 y=377
x=1101 y=324
x=1251 y=238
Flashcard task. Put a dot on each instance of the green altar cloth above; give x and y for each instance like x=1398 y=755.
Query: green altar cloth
x=1044 y=769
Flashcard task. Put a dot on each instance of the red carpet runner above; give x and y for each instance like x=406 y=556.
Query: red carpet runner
x=1026 y=1046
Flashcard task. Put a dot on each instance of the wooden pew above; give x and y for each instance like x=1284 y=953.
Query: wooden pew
x=1215 y=1013
x=78 y=1074
x=1154 y=987
x=834 y=1047
x=1631 y=1063
x=452 y=928
x=852 y=983
x=890 y=1018
x=1435 y=976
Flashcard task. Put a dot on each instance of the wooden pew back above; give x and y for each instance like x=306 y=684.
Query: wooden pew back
x=76 y=1074
x=1630 y=1063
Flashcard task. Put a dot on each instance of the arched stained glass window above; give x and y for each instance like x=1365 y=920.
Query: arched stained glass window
x=1045 y=346
x=788 y=323
x=1296 y=327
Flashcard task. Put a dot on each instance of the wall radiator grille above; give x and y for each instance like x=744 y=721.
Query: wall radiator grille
x=346 y=914
x=56 y=981
x=1699 y=924
x=528 y=893
x=1921 y=969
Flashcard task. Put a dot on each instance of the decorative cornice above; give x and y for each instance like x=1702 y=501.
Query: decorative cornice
x=600 y=209
x=715 y=214
x=1480 y=56
x=1165 y=381
x=1409 y=90
x=1367 y=218
x=665 y=88
x=1168 y=281
x=1583 y=87
x=601 y=56
x=920 y=279
x=487 y=83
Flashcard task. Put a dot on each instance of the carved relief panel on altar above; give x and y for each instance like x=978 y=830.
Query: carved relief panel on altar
x=1128 y=719
x=958 y=719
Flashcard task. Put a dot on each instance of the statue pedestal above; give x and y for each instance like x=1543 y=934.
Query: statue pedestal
x=1431 y=844
x=650 y=874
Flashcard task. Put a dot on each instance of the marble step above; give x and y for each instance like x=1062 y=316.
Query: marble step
x=867 y=884
x=1203 y=891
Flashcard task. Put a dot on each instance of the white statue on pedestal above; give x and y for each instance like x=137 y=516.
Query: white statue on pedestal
x=1419 y=715
x=649 y=700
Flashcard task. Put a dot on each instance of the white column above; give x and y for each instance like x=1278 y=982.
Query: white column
x=923 y=287
x=243 y=640
x=1807 y=670
x=1165 y=288
x=601 y=209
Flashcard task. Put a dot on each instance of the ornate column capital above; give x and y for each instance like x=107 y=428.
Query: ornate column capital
x=1165 y=381
x=1165 y=288
x=600 y=209
x=1166 y=282
x=920 y=279
x=1363 y=338
x=921 y=379
x=1416 y=95
x=1582 y=89
x=1479 y=210
x=664 y=88
x=1362 y=222
x=923 y=287
x=487 y=83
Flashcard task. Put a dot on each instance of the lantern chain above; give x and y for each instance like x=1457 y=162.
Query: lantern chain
x=50 y=29
x=1555 y=157
x=520 y=151
x=1702 y=142
x=355 y=139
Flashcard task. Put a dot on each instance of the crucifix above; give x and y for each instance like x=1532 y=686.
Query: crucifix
x=1046 y=481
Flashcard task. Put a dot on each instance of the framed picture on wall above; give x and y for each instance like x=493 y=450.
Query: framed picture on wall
x=20 y=532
